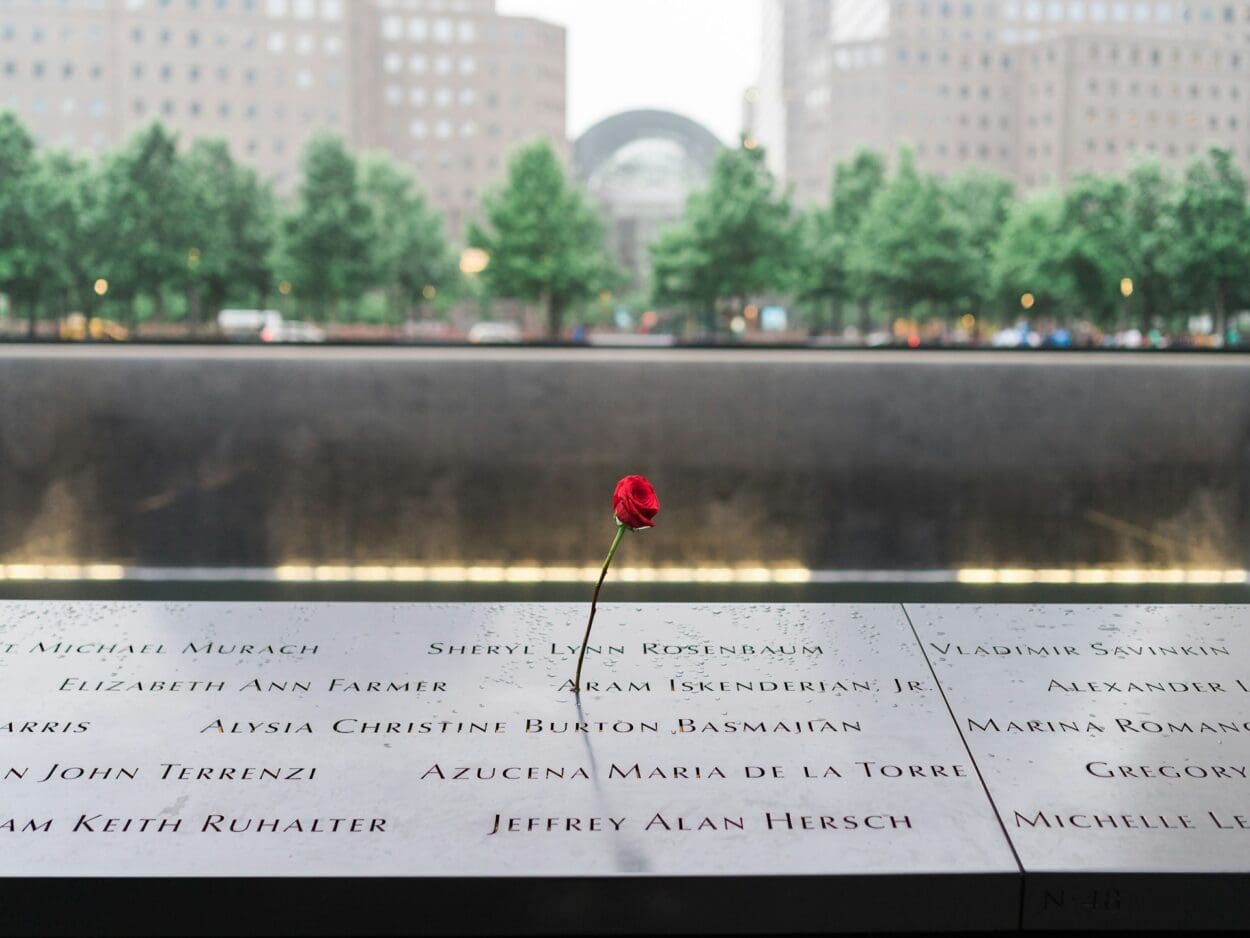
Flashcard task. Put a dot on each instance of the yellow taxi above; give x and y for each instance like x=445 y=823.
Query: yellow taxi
x=78 y=328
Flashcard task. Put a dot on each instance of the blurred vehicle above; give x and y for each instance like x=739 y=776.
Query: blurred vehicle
x=495 y=333
x=293 y=331
x=1058 y=338
x=431 y=330
x=631 y=339
x=248 y=325
x=78 y=328
x=1129 y=338
x=1017 y=336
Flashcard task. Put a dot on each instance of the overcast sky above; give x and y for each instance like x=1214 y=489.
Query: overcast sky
x=695 y=57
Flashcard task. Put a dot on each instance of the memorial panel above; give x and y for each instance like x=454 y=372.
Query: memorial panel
x=1115 y=742
x=726 y=767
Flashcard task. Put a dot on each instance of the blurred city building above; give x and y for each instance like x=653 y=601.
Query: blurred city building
x=1035 y=90
x=639 y=167
x=447 y=87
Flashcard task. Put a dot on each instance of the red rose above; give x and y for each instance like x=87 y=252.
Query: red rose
x=634 y=503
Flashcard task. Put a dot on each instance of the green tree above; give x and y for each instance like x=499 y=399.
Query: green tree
x=19 y=250
x=65 y=193
x=737 y=239
x=684 y=271
x=236 y=232
x=980 y=203
x=544 y=240
x=829 y=232
x=412 y=257
x=151 y=225
x=1094 y=245
x=910 y=251
x=1150 y=238
x=329 y=237
x=1028 y=258
x=1212 y=246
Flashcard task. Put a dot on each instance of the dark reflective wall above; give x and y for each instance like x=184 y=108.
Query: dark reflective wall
x=260 y=457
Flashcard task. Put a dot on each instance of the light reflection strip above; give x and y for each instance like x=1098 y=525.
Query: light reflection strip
x=1100 y=576
x=494 y=574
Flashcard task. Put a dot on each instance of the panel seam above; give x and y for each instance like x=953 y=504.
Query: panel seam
x=973 y=759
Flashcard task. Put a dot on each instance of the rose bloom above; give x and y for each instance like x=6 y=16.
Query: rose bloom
x=635 y=503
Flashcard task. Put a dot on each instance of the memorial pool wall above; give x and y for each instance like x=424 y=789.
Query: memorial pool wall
x=820 y=460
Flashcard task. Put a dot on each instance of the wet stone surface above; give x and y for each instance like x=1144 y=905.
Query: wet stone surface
x=1075 y=765
x=418 y=740
x=1115 y=741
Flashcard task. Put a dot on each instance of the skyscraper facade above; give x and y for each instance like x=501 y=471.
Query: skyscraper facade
x=447 y=87
x=1035 y=89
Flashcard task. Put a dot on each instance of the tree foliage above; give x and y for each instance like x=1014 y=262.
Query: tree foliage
x=232 y=253
x=329 y=235
x=412 y=260
x=1150 y=240
x=166 y=228
x=146 y=202
x=19 y=202
x=1213 y=234
x=980 y=204
x=67 y=239
x=544 y=240
x=738 y=238
x=909 y=250
x=829 y=231
x=1028 y=258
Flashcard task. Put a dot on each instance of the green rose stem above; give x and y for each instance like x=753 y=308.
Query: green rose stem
x=616 y=542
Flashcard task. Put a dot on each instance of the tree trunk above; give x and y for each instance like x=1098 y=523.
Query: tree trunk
x=195 y=312
x=1221 y=316
x=555 y=317
x=865 y=319
x=32 y=316
x=835 y=317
